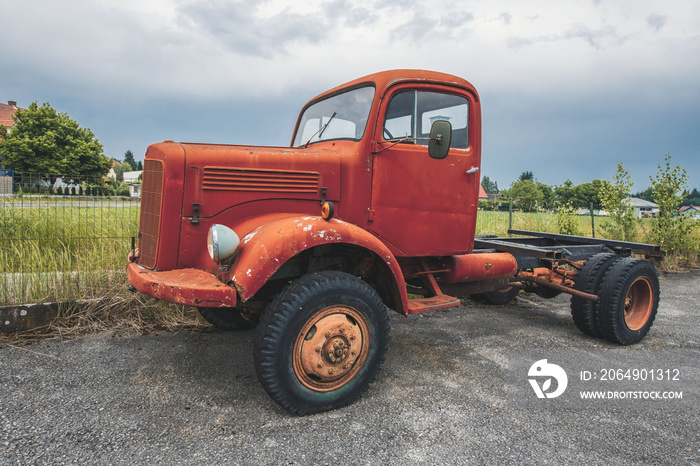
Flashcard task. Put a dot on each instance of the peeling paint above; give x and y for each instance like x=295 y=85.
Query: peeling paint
x=247 y=238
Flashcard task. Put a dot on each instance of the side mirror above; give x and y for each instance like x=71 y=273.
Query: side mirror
x=440 y=139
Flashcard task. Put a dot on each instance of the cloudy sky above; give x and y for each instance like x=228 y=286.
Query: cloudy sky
x=569 y=88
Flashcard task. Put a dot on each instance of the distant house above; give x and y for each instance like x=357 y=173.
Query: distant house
x=135 y=190
x=134 y=184
x=690 y=211
x=482 y=193
x=132 y=177
x=642 y=208
x=111 y=175
x=6 y=112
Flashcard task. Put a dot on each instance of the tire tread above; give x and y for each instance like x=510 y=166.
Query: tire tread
x=280 y=313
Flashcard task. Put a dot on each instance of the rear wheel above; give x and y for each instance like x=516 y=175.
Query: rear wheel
x=629 y=300
x=229 y=318
x=321 y=342
x=588 y=280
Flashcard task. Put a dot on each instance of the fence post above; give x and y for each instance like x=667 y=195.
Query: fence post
x=510 y=213
x=592 y=222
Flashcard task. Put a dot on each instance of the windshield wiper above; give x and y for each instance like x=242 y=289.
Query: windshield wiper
x=320 y=131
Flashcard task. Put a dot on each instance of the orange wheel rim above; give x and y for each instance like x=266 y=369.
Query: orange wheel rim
x=331 y=348
x=639 y=302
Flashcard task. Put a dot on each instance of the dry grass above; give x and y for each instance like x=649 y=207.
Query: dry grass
x=121 y=312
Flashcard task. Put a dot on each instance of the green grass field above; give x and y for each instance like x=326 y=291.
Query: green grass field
x=68 y=249
x=56 y=249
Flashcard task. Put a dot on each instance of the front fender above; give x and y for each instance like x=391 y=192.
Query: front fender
x=264 y=250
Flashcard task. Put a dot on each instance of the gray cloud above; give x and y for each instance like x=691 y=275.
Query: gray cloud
x=345 y=12
x=235 y=25
x=506 y=18
x=656 y=22
x=419 y=27
x=594 y=37
x=457 y=20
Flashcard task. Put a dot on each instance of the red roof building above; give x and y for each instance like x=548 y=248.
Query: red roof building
x=6 y=112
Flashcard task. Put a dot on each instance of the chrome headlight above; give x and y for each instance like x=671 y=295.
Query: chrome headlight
x=222 y=242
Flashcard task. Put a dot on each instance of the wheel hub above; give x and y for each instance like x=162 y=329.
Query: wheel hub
x=336 y=350
x=639 y=302
x=331 y=348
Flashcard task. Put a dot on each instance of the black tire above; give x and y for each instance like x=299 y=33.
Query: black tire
x=321 y=342
x=229 y=318
x=503 y=296
x=629 y=300
x=588 y=280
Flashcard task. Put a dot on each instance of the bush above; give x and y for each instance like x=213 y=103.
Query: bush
x=613 y=197
x=670 y=230
x=567 y=220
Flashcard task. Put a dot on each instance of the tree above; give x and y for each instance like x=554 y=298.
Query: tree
x=489 y=186
x=613 y=197
x=46 y=142
x=647 y=194
x=525 y=176
x=526 y=193
x=587 y=194
x=121 y=168
x=565 y=193
x=669 y=229
x=140 y=166
x=693 y=198
x=129 y=158
x=547 y=194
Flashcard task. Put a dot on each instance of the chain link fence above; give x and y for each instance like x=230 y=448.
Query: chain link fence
x=63 y=238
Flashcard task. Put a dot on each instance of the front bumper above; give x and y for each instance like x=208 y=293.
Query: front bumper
x=192 y=287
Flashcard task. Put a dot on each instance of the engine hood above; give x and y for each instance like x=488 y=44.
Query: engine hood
x=219 y=177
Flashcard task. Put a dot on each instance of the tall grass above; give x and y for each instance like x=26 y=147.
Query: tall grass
x=497 y=222
x=63 y=248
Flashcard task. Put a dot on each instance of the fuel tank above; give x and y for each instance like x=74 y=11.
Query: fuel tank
x=479 y=266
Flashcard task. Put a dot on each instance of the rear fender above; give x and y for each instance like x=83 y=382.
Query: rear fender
x=267 y=248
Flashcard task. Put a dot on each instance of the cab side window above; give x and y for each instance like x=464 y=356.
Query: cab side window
x=412 y=113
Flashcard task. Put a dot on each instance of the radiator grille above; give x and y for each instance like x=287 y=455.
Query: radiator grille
x=151 y=200
x=236 y=179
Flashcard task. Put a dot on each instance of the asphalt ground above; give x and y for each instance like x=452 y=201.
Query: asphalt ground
x=454 y=390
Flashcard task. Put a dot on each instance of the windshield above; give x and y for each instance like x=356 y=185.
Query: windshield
x=343 y=116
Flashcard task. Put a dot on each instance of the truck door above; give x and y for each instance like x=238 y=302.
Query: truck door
x=423 y=206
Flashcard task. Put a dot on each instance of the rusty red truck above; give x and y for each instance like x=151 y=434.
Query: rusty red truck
x=372 y=208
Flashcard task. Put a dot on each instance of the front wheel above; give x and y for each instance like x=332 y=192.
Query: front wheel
x=629 y=300
x=321 y=342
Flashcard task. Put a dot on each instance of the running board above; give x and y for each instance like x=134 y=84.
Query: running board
x=441 y=301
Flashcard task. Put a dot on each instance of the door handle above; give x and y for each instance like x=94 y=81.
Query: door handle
x=472 y=170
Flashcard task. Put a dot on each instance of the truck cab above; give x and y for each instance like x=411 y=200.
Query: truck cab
x=364 y=148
